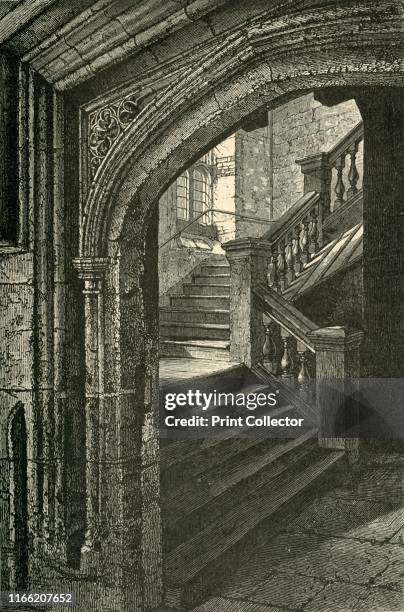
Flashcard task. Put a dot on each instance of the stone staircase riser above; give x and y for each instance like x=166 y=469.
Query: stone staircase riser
x=206 y=289
x=212 y=278
x=168 y=349
x=193 y=316
x=211 y=270
x=188 y=594
x=214 y=508
x=193 y=333
x=203 y=301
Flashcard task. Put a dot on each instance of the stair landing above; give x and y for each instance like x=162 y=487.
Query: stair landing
x=172 y=370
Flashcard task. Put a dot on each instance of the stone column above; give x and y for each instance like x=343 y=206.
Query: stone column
x=248 y=268
x=61 y=368
x=337 y=381
x=8 y=149
x=91 y=271
x=383 y=244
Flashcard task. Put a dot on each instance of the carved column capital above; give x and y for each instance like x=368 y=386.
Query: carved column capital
x=91 y=268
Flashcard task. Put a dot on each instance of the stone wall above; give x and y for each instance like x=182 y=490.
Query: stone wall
x=253 y=181
x=224 y=189
x=16 y=385
x=300 y=128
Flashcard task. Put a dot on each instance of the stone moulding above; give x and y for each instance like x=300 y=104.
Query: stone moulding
x=251 y=66
x=107 y=123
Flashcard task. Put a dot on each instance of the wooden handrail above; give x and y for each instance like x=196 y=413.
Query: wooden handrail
x=283 y=313
x=292 y=217
x=354 y=136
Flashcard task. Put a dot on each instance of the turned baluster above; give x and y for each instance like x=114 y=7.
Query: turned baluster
x=269 y=352
x=313 y=234
x=286 y=361
x=305 y=244
x=273 y=273
x=303 y=377
x=290 y=260
x=282 y=267
x=297 y=251
x=340 y=187
x=353 y=175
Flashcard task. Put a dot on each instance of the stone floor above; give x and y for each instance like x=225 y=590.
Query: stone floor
x=343 y=552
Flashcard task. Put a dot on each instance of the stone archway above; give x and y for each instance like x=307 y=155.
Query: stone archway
x=118 y=264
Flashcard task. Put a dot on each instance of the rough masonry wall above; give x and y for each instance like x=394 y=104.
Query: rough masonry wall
x=16 y=377
x=253 y=181
x=304 y=127
x=224 y=190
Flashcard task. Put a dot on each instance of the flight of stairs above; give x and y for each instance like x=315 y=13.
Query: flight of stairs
x=196 y=323
x=222 y=494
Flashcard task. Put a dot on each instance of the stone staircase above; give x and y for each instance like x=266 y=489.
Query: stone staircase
x=196 y=322
x=225 y=494
x=222 y=493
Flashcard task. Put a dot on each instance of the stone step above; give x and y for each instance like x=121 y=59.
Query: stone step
x=211 y=269
x=195 y=349
x=196 y=566
x=201 y=301
x=211 y=279
x=212 y=289
x=203 y=331
x=187 y=458
x=198 y=503
x=192 y=315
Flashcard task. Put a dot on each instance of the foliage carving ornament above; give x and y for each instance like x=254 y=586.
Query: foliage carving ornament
x=106 y=124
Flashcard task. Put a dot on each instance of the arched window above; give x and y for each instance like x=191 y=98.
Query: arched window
x=183 y=196
x=202 y=194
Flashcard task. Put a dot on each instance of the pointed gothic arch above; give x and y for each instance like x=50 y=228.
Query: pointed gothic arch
x=259 y=65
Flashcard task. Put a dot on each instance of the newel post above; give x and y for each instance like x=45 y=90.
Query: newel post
x=337 y=382
x=91 y=270
x=317 y=172
x=248 y=260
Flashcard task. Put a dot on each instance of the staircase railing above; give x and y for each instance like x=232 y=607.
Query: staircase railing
x=329 y=186
x=317 y=367
x=337 y=182
x=288 y=352
x=210 y=212
x=293 y=240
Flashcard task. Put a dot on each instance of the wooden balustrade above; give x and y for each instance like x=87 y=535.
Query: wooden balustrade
x=346 y=186
x=342 y=162
x=267 y=330
x=290 y=359
x=294 y=240
x=353 y=175
x=298 y=235
x=314 y=367
x=320 y=366
x=339 y=165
